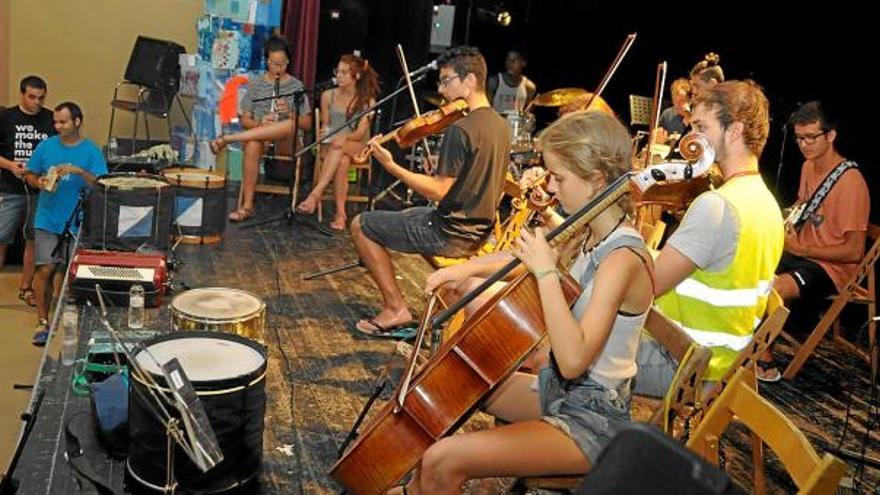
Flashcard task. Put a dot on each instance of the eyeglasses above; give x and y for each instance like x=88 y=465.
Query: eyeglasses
x=337 y=72
x=444 y=81
x=277 y=64
x=810 y=139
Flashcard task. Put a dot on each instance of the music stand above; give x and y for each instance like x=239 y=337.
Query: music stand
x=639 y=110
x=200 y=444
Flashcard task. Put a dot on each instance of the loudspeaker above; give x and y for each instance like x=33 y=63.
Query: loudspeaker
x=155 y=64
x=442 y=22
x=641 y=459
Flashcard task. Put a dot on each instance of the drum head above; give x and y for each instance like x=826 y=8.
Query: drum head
x=217 y=303
x=194 y=177
x=206 y=357
x=132 y=181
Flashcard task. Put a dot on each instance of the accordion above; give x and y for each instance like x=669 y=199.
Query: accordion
x=116 y=272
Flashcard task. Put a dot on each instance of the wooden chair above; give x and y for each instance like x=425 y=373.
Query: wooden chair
x=861 y=289
x=741 y=401
x=770 y=328
x=363 y=169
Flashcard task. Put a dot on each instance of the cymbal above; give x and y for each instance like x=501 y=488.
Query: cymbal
x=580 y=103
x=558 y=97
x=433 y=98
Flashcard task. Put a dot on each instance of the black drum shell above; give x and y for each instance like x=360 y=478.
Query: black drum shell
x=102 y=210
x=237 y=418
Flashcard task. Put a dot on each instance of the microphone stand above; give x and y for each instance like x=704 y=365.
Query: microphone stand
x=781 y=157
x=290 y=215
x=66 y=234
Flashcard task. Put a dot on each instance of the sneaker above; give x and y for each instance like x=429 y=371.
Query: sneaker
x=41 y=335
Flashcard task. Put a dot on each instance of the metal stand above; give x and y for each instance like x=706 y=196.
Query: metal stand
x=290 y=215
x=172 y=435
x=8 y=484
x=341 y=268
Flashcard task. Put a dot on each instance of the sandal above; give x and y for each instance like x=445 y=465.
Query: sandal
x=400 y=331
x=28 y=295
x=338 y=224
x=767 y=371
x=305 y=210
x=241 y=214
x=218 y=144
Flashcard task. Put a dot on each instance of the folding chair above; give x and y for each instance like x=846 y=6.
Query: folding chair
x=741 y=401
x=861 y=289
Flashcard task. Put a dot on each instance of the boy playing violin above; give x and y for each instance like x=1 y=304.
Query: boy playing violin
x=466 y=187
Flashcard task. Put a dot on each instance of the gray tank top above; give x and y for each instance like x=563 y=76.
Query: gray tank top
x=337 y=116
x=510 y=99
x=616 y=362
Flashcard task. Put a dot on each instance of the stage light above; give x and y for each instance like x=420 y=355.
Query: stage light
x=497 y=14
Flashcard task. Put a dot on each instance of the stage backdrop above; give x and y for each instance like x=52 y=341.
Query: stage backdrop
x=81 y=48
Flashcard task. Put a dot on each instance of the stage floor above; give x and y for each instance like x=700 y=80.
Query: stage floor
x=321 y=372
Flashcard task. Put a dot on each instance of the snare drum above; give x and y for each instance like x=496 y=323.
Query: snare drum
x=199 y=204
x=219 y=309
x=127 y=212
x=520 y=127
x=228 y=373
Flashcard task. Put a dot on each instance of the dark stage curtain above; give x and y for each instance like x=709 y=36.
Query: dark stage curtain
x=301 y=31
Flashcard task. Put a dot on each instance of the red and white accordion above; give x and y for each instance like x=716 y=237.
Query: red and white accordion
x=116 y=272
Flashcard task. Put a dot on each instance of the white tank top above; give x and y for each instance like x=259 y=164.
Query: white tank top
x=509 y=99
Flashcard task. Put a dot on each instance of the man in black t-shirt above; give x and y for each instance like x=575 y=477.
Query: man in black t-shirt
x=466 y=186
x=22 y=128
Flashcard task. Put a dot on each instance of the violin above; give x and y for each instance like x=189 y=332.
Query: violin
x=678 y=195
x=418 y=128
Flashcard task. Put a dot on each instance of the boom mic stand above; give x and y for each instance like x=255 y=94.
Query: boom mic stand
x=290 y=214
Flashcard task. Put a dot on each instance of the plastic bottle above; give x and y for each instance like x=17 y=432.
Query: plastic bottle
x=136 y=307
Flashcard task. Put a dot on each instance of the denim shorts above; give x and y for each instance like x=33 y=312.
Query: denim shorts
x=15 y=210
x=585 y=410
x=414 y=230
x=45 y=243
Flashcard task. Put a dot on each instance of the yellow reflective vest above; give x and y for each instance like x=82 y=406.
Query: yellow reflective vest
x=721 y=310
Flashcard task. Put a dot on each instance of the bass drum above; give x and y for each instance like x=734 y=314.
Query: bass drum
x=228 y=373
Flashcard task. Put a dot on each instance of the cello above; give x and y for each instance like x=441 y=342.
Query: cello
x=488 y=349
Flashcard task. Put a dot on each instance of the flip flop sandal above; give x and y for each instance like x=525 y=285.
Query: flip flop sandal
x=766 y=365
x=28 y=296
x=400 y=331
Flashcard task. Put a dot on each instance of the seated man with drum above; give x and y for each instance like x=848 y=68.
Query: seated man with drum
x=467 y=188
x=61 y=167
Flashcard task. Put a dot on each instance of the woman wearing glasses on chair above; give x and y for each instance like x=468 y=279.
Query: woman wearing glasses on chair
x=358 y=88
x=266 y=120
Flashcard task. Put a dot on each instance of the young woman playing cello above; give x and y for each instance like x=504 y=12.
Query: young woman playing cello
x=561 y=419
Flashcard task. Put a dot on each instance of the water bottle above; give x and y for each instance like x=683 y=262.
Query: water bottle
x=69 y=330
x=136 y=307
x=112 y=148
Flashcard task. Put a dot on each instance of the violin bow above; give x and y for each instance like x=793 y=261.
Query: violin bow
x=413 y=359
x=415 y=103
x=656 y=104
x=621 y=54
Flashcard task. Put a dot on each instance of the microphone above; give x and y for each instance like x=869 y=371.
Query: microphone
x=325 y=85
x=787 y=122
x=432 y=65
